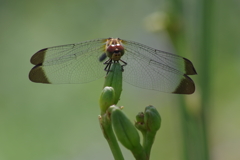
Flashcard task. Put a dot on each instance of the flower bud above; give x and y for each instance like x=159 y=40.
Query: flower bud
x=114 y=79
x=139 y=124
x=125 y=130
x=152 y=119
x=106 y=99
x=140 y=117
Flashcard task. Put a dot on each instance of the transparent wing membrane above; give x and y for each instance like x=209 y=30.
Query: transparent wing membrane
x=73 y=63
x=146 y=67
x=156 y=70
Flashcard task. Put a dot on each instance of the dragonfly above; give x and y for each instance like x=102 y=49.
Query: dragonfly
x=142 y=66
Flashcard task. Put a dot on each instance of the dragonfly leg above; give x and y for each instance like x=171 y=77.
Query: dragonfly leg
x=108 y=65
x=124 y=64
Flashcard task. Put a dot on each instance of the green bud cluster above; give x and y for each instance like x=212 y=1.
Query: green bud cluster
x=114 y=123
x=149 y=121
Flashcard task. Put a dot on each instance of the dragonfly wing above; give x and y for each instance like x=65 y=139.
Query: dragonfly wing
x=73 y=63
x=157 y=70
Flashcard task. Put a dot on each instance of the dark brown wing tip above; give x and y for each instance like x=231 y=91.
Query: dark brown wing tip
x=186 y=86
x=189 y=68
x=38 y=57
x=37 y=75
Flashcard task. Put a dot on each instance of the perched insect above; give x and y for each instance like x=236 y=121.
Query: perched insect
x=143 y=66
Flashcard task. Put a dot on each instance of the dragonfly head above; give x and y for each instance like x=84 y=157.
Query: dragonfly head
x=114 y=49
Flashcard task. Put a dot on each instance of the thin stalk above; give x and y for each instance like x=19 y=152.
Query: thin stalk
x=148 y=139
x=194 y=126
x=112 y=142
x=205 y=58
x=110 y=137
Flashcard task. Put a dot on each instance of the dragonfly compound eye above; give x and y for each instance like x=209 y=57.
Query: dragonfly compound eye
x=115 y=51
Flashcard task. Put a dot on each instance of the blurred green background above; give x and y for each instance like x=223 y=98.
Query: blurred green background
x=60 y=122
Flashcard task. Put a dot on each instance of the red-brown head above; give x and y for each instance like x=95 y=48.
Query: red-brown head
x=114 y=49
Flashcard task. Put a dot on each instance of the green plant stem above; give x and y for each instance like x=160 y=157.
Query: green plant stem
x=194 y=126
x=110 y=137
x=112 y=142
x=205 y=57
x=139 y=154
x=195 y=145
x=110 y=96
x=148 y=139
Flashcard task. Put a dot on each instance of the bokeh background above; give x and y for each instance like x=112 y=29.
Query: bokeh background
x=60 y=122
